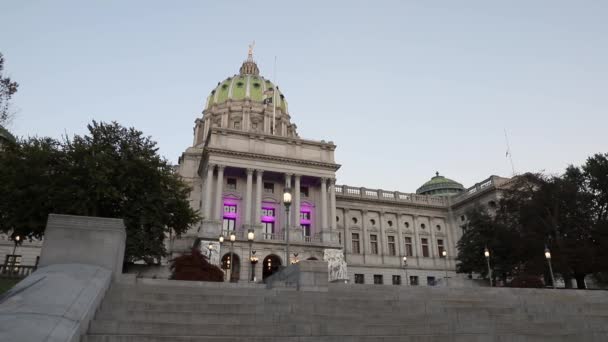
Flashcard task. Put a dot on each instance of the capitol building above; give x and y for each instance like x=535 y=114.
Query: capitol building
x=247 y=152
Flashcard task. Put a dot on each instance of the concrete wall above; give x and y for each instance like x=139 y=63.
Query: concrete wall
x=84 y=240
x=80 y=257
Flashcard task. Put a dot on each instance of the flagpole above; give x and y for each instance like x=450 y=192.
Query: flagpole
x=509 y=152
x=274 y=97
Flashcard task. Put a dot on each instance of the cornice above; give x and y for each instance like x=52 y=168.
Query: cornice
x=258 y=156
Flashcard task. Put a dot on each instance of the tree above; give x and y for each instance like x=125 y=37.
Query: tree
x=111 y=172
x=566 y=213
x=7 y=89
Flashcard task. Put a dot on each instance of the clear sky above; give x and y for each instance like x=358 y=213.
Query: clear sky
x=404 y=88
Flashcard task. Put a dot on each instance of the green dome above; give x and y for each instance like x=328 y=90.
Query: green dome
x=440 y=186
x=6 y=136
x=248 y=85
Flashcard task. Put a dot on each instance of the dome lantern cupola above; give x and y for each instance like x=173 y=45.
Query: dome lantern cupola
x=440 y=186
x=249 y=67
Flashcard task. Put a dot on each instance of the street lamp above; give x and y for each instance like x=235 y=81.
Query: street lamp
x=444 y=253
x=486 y=253
x=407 y=281
x=232 y=239
x=287 y=203
x=250 y=237
x=219 y=252
x=548 y=257
x=16 y=239
x=210 y=247
x=254 y=260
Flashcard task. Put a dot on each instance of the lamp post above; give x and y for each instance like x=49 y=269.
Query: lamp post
x=407 y=281
x=444 y=253
x=254 y=261
x=250 y=237
x=16 y=239
x=232 y=239
x=210 y=247
x=486 y=253
x=287 y=203
x=219 y=252
x=548 y=257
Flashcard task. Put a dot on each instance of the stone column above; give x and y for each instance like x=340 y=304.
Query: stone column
x=288 y=220
x=417 y=246
x=248 y=197
x=332 y=204
x=383 y=246
x=324 y=203
x=207 y=197
x=219 y=205
x=296 y=201
x=258 y=197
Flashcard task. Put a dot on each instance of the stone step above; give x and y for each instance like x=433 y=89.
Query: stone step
x=343 y=317
x=429 y=327
x=582 y=336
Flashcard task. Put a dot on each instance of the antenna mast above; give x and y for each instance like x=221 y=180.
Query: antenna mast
x=274 y=97
x=508 y=154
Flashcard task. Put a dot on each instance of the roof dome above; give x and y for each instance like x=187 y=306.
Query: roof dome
x=440 y=186
x=247 y=85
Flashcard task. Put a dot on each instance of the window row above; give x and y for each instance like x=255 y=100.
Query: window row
x=396 y=280
x=391 y=243
x=268 y=187
x=390 y=223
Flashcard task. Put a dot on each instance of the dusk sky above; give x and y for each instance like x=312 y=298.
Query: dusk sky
x=403 y=88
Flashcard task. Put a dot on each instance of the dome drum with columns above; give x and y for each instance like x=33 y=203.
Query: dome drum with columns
x=246 y=102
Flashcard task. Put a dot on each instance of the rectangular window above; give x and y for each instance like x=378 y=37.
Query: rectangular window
x=304 y=191
x=268 y=188
x=228 y=224
x=267 y=212
x=340 y=238
x=268 y=222
x=409 y=251
x=378 y=279
x=229 y=219
x=356 y=246
x=414 y=280
x=305 y=216
x=430 y=281
x=231 y=183
x=391 y=246
x=373 y=241
x=268 y=227
x=396 y=280
x=359 y=279
x=425 y=247
x=305 y=230
x=440 y=247
x=237 y=125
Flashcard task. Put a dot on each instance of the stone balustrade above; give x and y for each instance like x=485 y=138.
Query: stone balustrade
x=378 y=194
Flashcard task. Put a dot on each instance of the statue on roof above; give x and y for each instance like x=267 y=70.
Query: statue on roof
x=250 y=51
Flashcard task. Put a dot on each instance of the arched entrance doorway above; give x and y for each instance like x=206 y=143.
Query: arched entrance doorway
x=312 y=258
x=236 y=267
x=270 y=265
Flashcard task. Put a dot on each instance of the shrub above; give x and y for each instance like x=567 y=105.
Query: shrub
x=195 y=266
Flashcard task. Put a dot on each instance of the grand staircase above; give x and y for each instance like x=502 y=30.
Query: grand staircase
x=164 y=311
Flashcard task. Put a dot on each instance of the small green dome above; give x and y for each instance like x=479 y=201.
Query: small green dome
x=6 y=136
x=247 y=85
x=440 y=186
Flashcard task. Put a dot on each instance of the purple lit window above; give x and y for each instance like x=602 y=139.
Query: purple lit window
x=229 y=221
x=268 y=219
